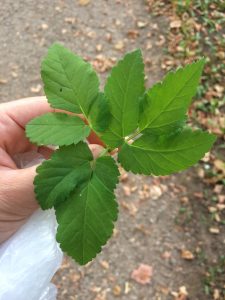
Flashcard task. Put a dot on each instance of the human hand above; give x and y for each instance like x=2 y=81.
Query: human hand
x=17 y=198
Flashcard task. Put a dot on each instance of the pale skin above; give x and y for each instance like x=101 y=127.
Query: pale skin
x=17 y=198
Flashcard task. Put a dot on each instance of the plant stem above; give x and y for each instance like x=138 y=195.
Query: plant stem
x=133 y=135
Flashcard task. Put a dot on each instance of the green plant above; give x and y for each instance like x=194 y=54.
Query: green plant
x=147 y=126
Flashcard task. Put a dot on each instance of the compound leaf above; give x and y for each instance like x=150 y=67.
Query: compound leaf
x=166 y=103
x=86 y=217
x=57 y=129
x=123 y=90
x=163 y=155
x=58 y=176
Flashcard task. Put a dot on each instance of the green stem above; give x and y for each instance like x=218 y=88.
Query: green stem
x=133 y=135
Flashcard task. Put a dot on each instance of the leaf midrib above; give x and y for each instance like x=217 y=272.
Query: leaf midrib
x=125 y=96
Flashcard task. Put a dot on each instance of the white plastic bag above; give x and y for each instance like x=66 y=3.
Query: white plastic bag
x=30 y=258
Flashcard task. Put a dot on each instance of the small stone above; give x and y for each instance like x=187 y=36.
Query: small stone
x=64 y=30
x=44 y=26
x=124 y=177
x=104 y=264
x=142 y=24
x=35 y=89
x=14 y=74
x=70 y=20
x=126 y=190
x=119 y=45
x=99 y=47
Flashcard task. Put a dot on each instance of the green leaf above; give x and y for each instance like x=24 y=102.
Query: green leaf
x=166 y=103
x=56 y=178
x=163 y=155
x=70 y=83
x=98 y=114
x=57 y=129
x=86 y=218
x=123 y=90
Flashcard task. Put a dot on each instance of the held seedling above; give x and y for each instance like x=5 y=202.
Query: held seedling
x=147 y=126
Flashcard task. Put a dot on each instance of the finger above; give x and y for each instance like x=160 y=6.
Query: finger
x=13 y=118
x=23 y=110
x=96 y=149
x=17 y=198
x=17 y=192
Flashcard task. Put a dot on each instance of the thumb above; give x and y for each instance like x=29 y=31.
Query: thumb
x=17 y=200
x=17 y=192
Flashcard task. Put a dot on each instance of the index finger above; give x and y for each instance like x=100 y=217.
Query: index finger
x=24 y=110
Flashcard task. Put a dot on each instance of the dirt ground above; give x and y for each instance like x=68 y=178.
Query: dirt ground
x=164 y=223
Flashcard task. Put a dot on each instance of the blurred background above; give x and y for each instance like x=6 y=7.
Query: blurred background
x=169 y=241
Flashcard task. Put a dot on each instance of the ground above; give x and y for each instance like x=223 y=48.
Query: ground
x=172 y=225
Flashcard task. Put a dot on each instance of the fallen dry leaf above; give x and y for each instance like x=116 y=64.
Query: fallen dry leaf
x=186 y=254
x=84 y=2
x=181 y=295
x=220 y=206
x=218 y=188
x=3 y=81
x=133 y=34
x=212 y=209
x=117 y=290
x=214 y=230
x=219 y=165
x=166 y=255
x=143 y=274
x=175 y=24
x=127 y=288
x=216 y=294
